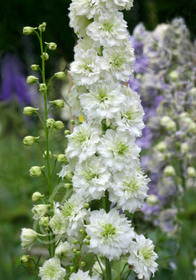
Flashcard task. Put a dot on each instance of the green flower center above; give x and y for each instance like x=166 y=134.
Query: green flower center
x=80 y=137
x=117 y=61
x=107 y=26
x=108 y=231
x=102 y=95
x=131 y=185
x=68 y=209
x=87 y=67
x=121 y=148
x=89 y=174
x=147 y=253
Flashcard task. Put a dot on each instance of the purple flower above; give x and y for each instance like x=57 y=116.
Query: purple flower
x=13 y=81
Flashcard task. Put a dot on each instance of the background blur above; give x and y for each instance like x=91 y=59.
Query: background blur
x=17 y=53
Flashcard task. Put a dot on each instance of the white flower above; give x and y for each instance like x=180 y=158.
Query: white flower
x=110 y=233
x=86 y=8
x=80 y=275
x=108 y=29
x=74 y=214
x=102 y=101
x=129 y=189
x=28 y=237
x=64 y=251
x=85 y=70
x=52 y=270
x=119 y=4
x=142 y=257
x=40 y=210
x=120 y=61
x=74 y=101
x=57 y=223
x=82 y=142
x=118 y=150
x=91 y=178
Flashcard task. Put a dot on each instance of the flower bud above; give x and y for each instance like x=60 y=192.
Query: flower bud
x=36 y=196
x=184 y=148
x=40 y=210
x=29 y=111
x=44 y=222
x=192 y=127
x=61 y=158
x=28 y=30
x=192 y=91
x=59 y=125
x=161 y=147
x=88 y=237
x=73 y=122
x=42 y=88
x=42 y=26
x=34 y=67
x=28 y=237
x=87 y=242
x=52 y=46
x=191 y=172
x=168 y=123
x=60 y=75
x=67 y=132
x=169 y=171
x=83 y=264
x=74 y=250
x=67 y=185
x=152 y=200
x=50 y=123
x=174 y=76
x=45 y=56
x=58 y=103
x=25 y=258
x=31 y=80
x=29 y=140
x=86 y=205
x=45 y=154
x=36 y=171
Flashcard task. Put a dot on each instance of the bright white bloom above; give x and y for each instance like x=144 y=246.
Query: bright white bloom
x=129 y=189
x=74 y=100
x=40 y=210
x=28 y=237
x=142 y=257
x=108 y=30
x=85 y=70
x=119 y=4
x=80 y=275
x=52 y=270
x=102 y=101
x=120 y=61
x=57 y=223
x=74 y=214
x=118 y=150
x=64 y=252
x=111 y=233
x=91 y=178
x=82 y=142
x=86 y=8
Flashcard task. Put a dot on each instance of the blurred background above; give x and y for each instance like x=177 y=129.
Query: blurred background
x=17 y=53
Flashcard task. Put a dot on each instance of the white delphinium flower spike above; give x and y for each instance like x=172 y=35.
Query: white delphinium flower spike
x=142 y=257
x=52 y=270
x=110 y=233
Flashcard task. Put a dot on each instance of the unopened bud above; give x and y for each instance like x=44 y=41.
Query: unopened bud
x=31 y=80
x=61 y=158
x=29 y=111
x=152 y=200
x=42 y=27
x=58 y=103
x=44 y=221
x=86 y=205
x=50 y=123
x=67 y=185
x=88 y=237
x=25 y=258
x=42 y=88
x=36 y=171
x=28 y=30
x=161 y=147
x=83 y=264
x=60 y=75
x=28 y=237
x=45 y=154
x=192 y=127
x=36 y=196
x=34 y=67
x=191 y=172
x=74 y=251
x=174 y=76
x=168 y=123
x=184 y=148
x=169 y=171
x=52 y=46
x=45 y=56
x=67 y=132
x=59 y=125
x=75 y=242
x=73 y=122
x=87 y=242
x=40 y=210
x=29 y=140
x=193 y=91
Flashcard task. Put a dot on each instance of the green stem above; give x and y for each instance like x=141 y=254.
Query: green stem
x=108 y=270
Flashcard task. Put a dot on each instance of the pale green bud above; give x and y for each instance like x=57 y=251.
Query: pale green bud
x=75 y=242
x=161 y=147
x=60 y=75
x=191 y=172
x=36 y=196
x=29 y=140
x=192 y=127
x=87 y=242
x=36 y=171
x=169 y=171
x=28 y=237
x=58 y=103
x=34 y=67
x=88 y=237
x=67 y=185
x=83 y=264
x=25 y=258
x=74 y=251
x=42 y=26
x=152 y=200
x=67 y=132
x=52 y=46
x=193 y=91
x=73 y=122
x=59 y=125
x=61 y=158
x=45 y=154
x=168 y=123
x=45 y=56
x=184 y=148
x=174 y=75
x=81 y=231
x=44 y=221
x=50 y=123
x=78 y=252
x=28 y=30
x=42 y=88
x=29 y=111
x=40 y=210
x=31 y=80
x=86 y=205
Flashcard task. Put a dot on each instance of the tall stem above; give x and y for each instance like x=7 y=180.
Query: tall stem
x=108 y=270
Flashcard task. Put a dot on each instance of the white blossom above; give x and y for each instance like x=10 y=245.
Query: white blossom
x=80 y=275
x=52 y=270
x=28 y=237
